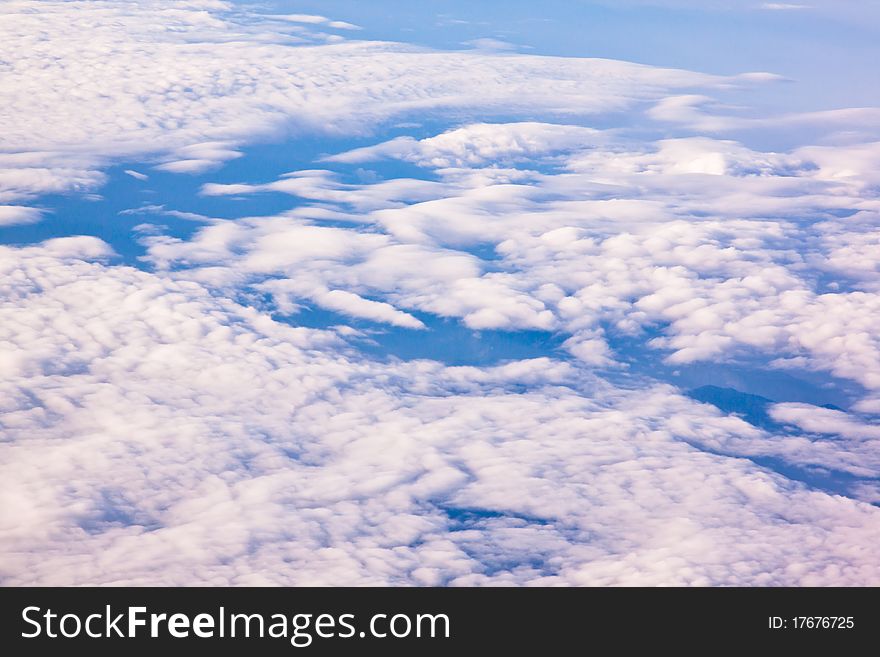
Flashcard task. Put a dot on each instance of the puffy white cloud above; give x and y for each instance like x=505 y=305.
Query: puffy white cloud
x=702 y=239
x=198 y=158
x=812 y=439
x=158 y=430
x=349 y=304
x=478 y=145
x=158 y=434
x=25 y=175
x=824 y=420
x=693 y=155
x=17 y=214
x=189 y=81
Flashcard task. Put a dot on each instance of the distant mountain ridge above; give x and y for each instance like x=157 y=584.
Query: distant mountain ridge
x=754 y=409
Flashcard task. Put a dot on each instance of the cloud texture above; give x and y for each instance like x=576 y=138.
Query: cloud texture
x=178 y=424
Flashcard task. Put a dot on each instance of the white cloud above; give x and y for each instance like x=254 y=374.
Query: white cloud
x=158 y=434
x=17 y=214
x=490 y=44
x=345 y=303
x=824 y=420
x=478 y=145
x=699 y=112
x=190 y=81
x=25 y=175
x=343 y=25
x=676 y=235
x=783 y=6
x=199 y=158
x=312 y=19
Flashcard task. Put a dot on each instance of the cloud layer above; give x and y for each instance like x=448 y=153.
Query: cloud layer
x=721 y=249
x=187 y=81
x=174 y=425
x=157 y=434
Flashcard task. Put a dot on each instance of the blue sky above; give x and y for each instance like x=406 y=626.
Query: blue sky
x=287 y=285
x=826 y=50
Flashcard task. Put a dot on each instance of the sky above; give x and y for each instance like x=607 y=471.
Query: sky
x=394 y=293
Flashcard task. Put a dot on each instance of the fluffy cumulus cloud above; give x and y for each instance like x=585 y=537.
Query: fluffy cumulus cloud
x=478 y=145
x=178 y=424
x=716 y=246
x=16 y=214
x=187 y=81
x=157 y=434
x=855 y=11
